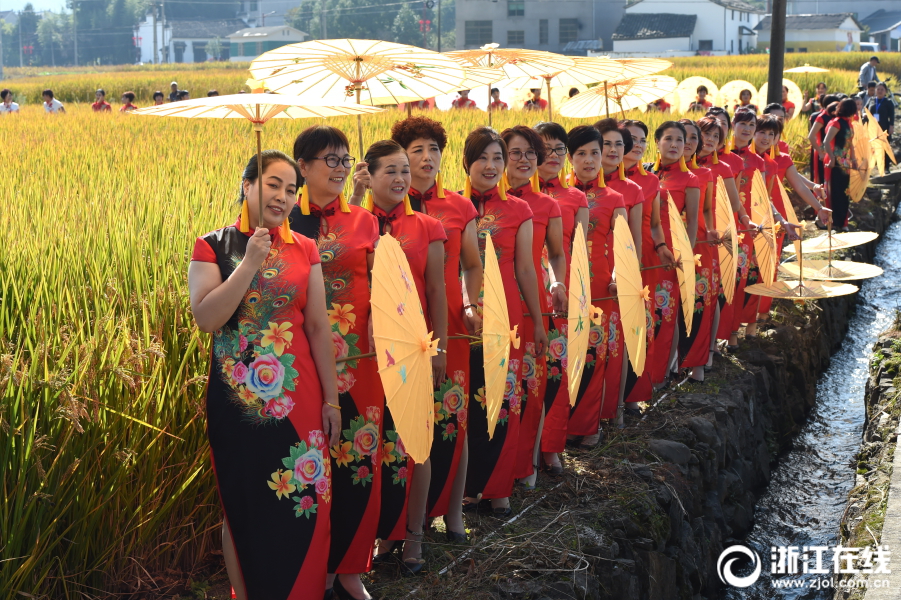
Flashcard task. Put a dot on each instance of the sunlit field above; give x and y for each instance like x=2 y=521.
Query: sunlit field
x=106 y=475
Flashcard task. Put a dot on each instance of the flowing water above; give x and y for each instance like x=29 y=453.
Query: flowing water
x=809 y=489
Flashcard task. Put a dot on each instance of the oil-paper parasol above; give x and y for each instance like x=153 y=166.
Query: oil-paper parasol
x=879 y=143
x=622 y=95
x=730 y=94
x=863 y=152
x=631 y=294
x=404 y=348
x=837 y=241
x=765 y=240
x=795 y=95
x=790 y=215
x=496 y=336
x=806 y=68
x=346 y=71
x=258 y=108
x=728 y=249
x=580 y=315
x=832 y=270
x=687 y=91
x=685 y=262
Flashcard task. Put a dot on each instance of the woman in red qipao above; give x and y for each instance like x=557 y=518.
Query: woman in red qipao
x=685 y=188
x=346 y=237
x=839 y=159
x=509 y=221
x=694 y=345
x=781 y=167
x=525 y=152
x=272 y=399
x=618 y=143
x=425 y=140
x=653 y=251
x=604 y=204
x=405 y=487
x=744 y=309
x=573 y=210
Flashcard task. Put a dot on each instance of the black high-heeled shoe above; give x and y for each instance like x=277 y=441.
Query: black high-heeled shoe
x=414 y=566
x=341 y=592
x=456 y=538
x=387 y=557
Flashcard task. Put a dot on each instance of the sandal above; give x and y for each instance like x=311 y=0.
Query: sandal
x=414 y=565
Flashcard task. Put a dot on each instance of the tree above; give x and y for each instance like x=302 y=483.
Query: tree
x=405 y=29
x=213 y=49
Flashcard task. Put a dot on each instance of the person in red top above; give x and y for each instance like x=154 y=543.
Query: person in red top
x=694 y=345
x=272 y=398
x=660 y=105
x=422 y=239
x=617 y=143
x=496 y=102
x=778 y=111
x=158 y=98
x=573 y=210
x=653 y=250
x=101 y=105
x=425 y=141
x=525 y=151
x=678 y=182
x=701 y=103
x=744 y=101
x=463 y=101
x=787 y=104
x=817 y=133
x=509 y=222
x=604 y=204
x=839 y=160
x=127 y=99
x=346 y=237
x=536 y=102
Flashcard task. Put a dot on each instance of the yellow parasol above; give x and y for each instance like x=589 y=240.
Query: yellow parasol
x=631 y=294
x=765 y=240
x=795 y=95
x=806 y=68
x=687 y=92
x=404 y=348
x=258 y=108
x=514 y=63
x=879 y=143
x=517 y=96
x=581 y=314
x=728 y=250
x=863 y=152
x=496 y=336
x=624 y=95
x=837 y=241
x=730 y=93
x=639 y=67
x=790 y=215
x=346 y=71
x=685 y=258
x=832 y=270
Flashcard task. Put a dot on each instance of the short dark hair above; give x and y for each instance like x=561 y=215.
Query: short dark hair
x=47 y=92
x=314 y=140
x=608 y=125
x=707 y=124
x=846 y=108
x=702 y=88
x=770 y=123
x=876 y=58
x=658 y=133
x=690 y=123
x=829 y=99
x=551 y=130
x=158 y=94
x=871 y=84
x=495 y=90
x=212 y=93
x=268 y=157
x=883 y=85
x=4 y=93
x=744 y=115
x=742 y=93
x=476 y=142
x=413 y=128
x=582 y=135
x=101 y=91
x=774 y=106
x=130 y=96
x=380 y=150
x=713 y=111
x=530 y=135
x=634 y=123
x=573 y=92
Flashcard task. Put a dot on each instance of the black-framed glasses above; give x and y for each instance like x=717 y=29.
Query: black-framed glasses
x=332 y=160
x=559 y=150
x=518 y=154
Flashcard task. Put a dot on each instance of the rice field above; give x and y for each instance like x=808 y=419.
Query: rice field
x=106 y=476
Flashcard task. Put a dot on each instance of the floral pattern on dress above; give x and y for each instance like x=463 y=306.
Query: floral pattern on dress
x=531 y=370
x=450 y=399
x=360 y=444
x=663 y=298
x=556 y=353
x=702 y=289
x=394 y=455
x=613 y=336
x=308 y=472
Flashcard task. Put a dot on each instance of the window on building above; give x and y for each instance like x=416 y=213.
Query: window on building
x=802 y=49
x=543 y=31
x=515 y=39
x=705 y=44
x=569 y=30
x=254 y=7
x=478 y=33
x=516 y=8
x=790 y=50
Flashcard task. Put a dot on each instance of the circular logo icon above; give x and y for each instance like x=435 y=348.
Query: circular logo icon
x=724 y=566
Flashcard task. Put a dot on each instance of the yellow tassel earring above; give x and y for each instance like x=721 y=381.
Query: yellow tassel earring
x=502 y=187
x=368 y=202
x=682 y=166
x=245 y=217
x=536 y=183
x=342 y=202
x=285 y=230
x=467 y=188
x=774 y=151
x=641 y=170
x=439 y=185
x=622 y=172
x=730 y=144
x=694 y=161
x=716 y=159
x=408 y=210
x=656 y=166
x=304 y=200
x=573 y=180
x=752 y=146
x=601 y=183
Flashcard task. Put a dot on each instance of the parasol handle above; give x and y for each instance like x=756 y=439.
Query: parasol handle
x=550 y=108
x=346 y=358
x=464 y=337
x=607 y=298
x=550 y=314
x=258 y=129
x=657 y=267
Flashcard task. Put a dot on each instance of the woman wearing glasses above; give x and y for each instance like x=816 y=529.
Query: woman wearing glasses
x=525 y=152
x=573 y=210
x=346 y=237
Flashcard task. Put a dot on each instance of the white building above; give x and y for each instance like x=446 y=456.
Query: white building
x=185 y=39
x=246 y=44
x=654 y=33
x=722 y=26
x=815 y=33
x=862 y=8
x=885 y=29
x=266 y=13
